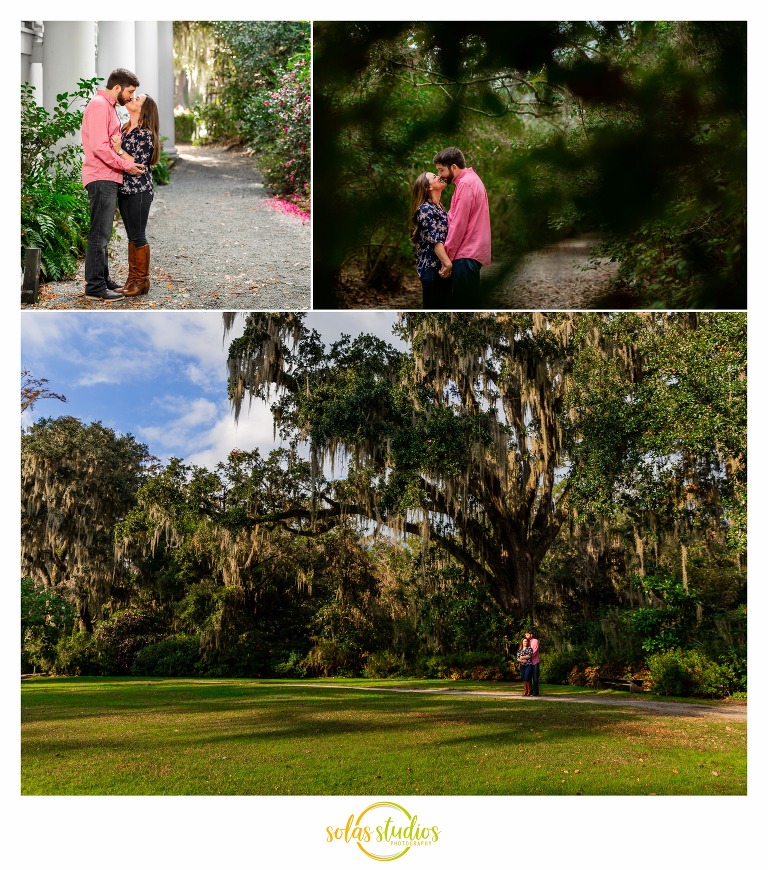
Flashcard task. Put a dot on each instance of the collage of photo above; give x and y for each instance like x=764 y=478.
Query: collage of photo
x=384 y=417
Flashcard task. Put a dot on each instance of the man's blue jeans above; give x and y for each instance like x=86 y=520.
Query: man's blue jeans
x=466 y=283
x=102 y=196
x=535 y=679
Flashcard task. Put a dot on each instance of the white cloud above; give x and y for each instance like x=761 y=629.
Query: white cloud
x=254 y=430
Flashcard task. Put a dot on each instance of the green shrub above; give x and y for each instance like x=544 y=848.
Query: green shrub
x=55 y=215
x=734 y=667
x=185 y=127
x=45 y=617
x=384 y=664
x=246 y=654
x=176 y=656
x=330 y=658
x=161 y=174
x=78 y=655
x=556 y=666
x=120 y=638
x=479 y=665
x=687 y=673
x=276 y=122
x=216 y=123
x=291 y=667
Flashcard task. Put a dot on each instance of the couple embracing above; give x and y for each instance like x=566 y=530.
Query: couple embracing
x=117 y=172
x=451 y=246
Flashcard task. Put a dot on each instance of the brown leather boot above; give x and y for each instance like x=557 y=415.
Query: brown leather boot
x=131 y=287
x=142 y=268
x=527 y=688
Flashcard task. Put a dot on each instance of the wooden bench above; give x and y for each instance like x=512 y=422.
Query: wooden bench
x=625 y=684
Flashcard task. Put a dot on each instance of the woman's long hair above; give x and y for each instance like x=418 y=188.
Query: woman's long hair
x=149 y=119
x=522 y=644
x=420 y=192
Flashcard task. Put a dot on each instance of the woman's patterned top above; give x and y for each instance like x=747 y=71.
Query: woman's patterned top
x=433 y=228
x=524 y=655
x=138 y=143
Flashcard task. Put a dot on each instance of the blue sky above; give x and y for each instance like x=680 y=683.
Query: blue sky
x=158 y=376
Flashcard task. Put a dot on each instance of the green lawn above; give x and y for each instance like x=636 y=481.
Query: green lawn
x=281 y=737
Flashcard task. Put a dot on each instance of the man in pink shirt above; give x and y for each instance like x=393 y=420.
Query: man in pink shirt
x=469 y=227
x=535 y=661
x=102 y=174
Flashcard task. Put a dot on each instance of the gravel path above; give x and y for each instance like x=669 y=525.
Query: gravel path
x=217 y=242
x=553 y=278
x=549 y=279
x=733 y=712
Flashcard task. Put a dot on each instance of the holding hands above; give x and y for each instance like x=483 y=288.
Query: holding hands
x=445 y=270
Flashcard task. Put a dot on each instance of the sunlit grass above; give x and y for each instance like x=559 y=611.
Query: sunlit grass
x=267 y=737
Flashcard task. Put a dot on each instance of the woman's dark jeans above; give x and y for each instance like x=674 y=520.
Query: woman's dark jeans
x=102 y=196
x=436 y=292
x=134 y=210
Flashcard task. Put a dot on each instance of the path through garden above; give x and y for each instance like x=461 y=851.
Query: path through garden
x=218 y=240
x=553 y=278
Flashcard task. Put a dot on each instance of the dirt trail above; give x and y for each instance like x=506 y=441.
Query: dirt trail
x=734 y=712
x=553 y=278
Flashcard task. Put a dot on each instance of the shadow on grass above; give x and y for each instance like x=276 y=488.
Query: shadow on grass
x=263 y=712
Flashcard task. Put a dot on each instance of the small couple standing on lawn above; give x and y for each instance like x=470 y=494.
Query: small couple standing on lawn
x=451 y=246
x=528 y=661
x=117 y=172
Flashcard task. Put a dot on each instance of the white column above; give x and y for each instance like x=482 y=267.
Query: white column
x=27 y=36
x=36 y=69
x=166 y=93
x=147 y=59
x=32 y=56
x=116 y=47
x=69 y=54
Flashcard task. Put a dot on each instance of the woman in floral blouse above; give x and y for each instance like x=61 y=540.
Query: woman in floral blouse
x=524 y=655
x=430 y=227
x=140 y=142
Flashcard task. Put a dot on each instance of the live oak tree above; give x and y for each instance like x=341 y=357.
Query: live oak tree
x=480 y=436
x=77 y=481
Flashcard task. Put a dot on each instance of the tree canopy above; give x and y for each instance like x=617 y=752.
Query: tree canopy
x=492 y=429
x=77 y=480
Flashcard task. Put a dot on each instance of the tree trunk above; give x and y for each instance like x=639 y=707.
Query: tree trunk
x=84 y=619
x=513 y=585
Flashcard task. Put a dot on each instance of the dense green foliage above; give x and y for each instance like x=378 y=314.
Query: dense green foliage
x=257 y=93
x=634 y=130
x=54 y=204
x=77 y=480
x=682 y=673
x=585 y=471
x=45 y=617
